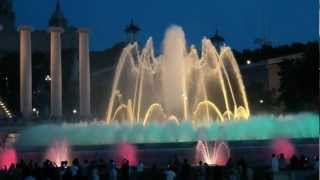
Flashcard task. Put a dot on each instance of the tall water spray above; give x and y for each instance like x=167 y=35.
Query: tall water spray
x=177 y=84
x=283 y=146
x=126 y=151
x=216 y=154
x=59 y=151
x=8 y=157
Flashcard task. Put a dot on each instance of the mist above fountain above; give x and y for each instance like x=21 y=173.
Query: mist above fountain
x=178 y=84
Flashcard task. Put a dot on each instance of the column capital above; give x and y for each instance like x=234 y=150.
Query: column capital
x=56 y=29
x=25 y=28
x=83 y=30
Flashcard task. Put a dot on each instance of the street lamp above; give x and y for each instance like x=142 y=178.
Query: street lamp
x=47 y=78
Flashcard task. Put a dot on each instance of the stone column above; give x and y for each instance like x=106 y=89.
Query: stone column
x=55 y=72
x=84 y=73
x=25 y=72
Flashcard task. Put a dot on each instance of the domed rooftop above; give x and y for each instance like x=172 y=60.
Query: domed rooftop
x=57 y=18
x=5 y=7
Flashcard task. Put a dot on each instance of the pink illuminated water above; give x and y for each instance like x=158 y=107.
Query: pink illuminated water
x=285 y=146
x=8 y=156
x=126 y=151
x=59 y=151
x=212 y=154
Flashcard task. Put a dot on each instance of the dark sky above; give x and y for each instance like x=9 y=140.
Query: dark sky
x=239 y=21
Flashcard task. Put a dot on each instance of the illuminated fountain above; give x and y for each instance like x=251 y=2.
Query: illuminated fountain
x=58 y=151
x=8 y=156
x=283 y=146
x=216 y=154
x=178 y=84
x=175 y=97
x=126 y=151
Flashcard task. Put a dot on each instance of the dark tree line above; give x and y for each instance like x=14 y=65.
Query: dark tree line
x=300 y=81
x=267 y=52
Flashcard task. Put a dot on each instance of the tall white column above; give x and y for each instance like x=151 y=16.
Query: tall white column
x=25 y=72
x=55 y=71
x=84 y=73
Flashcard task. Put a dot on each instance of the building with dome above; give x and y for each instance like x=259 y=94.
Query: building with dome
x=9 y=36
x=7 y=16
x=57 y=18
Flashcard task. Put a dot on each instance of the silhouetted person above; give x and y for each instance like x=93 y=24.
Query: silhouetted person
x=176 y=165
x=303 y=162
x=75 y=169
x=185 y=170
x=242 y=166
x=62 y=169
x=282 y=162
x=201 y=171
x=207 y=168
x=112 y=170
x=95 y=174
x=249 y=173
x=29 y=175
x=155 y=174
x=94 y=170
x=140 y=170
x=316 y=163
x=294 y=162
x=84 y=170
x=102 y=167
x=230 y=164
x=125 y=170
x=169 y=174
x=274 y=163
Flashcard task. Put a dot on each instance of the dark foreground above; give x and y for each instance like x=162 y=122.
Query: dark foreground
x=256 y=152
x=249 y=160
x=298 y=169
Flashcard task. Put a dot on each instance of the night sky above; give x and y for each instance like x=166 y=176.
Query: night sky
x=238 y=21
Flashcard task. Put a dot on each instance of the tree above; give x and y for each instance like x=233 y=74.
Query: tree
x=300 y=81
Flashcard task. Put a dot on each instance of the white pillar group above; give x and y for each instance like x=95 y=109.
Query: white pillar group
x=84 y=73
x=25 y=72
x=55 y=72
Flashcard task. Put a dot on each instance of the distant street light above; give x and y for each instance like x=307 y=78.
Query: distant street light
x=47 y=78
x=248 y=62
x=36 y=112
x=74 y=111
x=261 y=101
x=6 y=110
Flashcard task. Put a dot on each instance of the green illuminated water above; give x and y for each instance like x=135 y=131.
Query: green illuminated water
x=302 y=125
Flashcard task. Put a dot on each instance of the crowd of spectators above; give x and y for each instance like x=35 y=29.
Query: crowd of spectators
x=279 y=163
x=176 y=170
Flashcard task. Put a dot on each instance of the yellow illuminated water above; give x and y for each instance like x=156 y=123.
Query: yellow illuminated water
x=178 y=84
